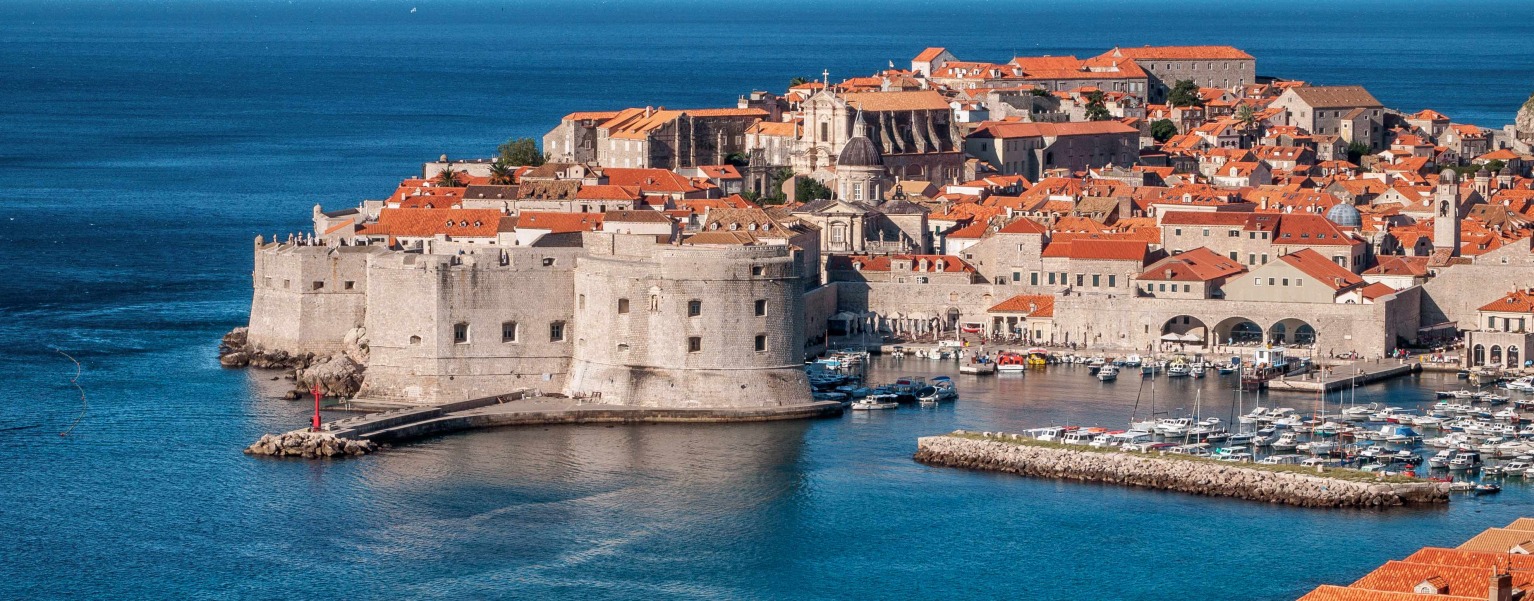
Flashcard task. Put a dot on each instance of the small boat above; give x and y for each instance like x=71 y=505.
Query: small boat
x=1011 y=362
x=1288 y=441
x=1461 y=486
x=1178 y=368
x=876 y=401
x=1107 y=373
x=1485 y=489
x=978 y=368
x=1465 y=461
x=1225 y=369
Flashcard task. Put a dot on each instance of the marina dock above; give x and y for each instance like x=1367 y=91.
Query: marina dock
x=1345 y=376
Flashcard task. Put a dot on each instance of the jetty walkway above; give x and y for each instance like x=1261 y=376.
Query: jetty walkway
x=520 y=408
x=1345 y=375
x=1284 y=484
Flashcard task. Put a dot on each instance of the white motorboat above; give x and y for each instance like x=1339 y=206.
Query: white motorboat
x=1177 y=369
x=1050 y=434
x=1108 y=373
x=1442 y=459
x=1132 y=361
x=1517 y=468
x=1287 y=441
x=875 y=402
x=1360 y=412
x=1174 y=427
x=1465 y=460
x=1078 y=436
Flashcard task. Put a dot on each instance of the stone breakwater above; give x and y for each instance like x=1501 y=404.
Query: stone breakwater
x=1012 y=453
x=311 y=445
x=338 y=375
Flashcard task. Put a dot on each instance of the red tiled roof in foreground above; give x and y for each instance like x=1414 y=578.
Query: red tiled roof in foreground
x=1518 y=301
x=1034 y=305
x=1197 y=265
x=426 y=223
x=559 y=223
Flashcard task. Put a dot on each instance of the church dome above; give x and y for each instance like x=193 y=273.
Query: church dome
x=1345 y=215
x=859 y=152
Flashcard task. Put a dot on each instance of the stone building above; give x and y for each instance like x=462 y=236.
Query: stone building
x=1502 y=331
x=451 y=321
x=1349 y=112
x=1030 y=149
x=651 y=138
x=1222 y=67
x=914 y=133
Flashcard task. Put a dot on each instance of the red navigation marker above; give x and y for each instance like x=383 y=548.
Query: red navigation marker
x=316 y=390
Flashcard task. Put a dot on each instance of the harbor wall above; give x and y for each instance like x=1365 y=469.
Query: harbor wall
x=1010 y=454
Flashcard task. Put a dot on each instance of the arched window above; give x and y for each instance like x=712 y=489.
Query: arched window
x=1478 y=356
x=1513 y=358
x=1496 y=354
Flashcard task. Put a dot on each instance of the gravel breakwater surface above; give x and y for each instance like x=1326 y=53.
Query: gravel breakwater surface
x=1333 y=487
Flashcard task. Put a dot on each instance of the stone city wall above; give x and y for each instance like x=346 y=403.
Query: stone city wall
x=306 y=298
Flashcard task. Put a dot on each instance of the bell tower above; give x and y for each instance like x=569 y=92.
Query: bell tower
x=1446 y=213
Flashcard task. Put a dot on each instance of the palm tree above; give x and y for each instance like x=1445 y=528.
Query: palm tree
x=1248 y=122
x=500 y=173
x=449 y=178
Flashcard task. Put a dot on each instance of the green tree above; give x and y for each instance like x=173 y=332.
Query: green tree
x=1097 y=110
x=738 y=159
x=1246 y=117
x=1039 y=91
x=1184 y=93
x=1163 y=129
x=448 y=178
x=799 y=81
x=501 y=173
x=808 y=189
x=521 y=151
x=774 y=194
x=1356 y=150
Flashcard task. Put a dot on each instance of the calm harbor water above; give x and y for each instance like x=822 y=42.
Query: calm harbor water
x=146 y=144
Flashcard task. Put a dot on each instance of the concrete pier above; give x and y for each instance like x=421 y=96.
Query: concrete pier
x=526 y=408
x=1284 y=484
x=1346 y=375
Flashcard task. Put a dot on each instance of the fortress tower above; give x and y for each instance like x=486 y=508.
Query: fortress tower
x=687 y=326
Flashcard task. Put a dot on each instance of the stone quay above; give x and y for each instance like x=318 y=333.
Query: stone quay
x=1334 y=487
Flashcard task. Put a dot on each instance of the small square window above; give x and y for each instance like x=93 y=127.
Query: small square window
x=623 y=305
x=509 y=331
x=694 y=344
x=761 y=307
x=758 y=270
x=548 y=262
x=319 y=284
x=694 y=308
x=460 y=333
x=761 y=342
x=557 y=331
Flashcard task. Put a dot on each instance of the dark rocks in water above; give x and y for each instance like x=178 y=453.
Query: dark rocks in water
x=338 y=375
x=309 y=445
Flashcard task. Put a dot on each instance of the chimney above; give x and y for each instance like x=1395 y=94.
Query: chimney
x=1500 y=588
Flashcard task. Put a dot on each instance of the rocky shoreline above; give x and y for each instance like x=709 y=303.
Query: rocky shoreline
x=1012 y=453
x=338 y=375
x=309 y=445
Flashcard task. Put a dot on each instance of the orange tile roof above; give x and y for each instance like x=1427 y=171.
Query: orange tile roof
x=649 y=180
x=590 y=115
x=1401 y=576
x=1197 y=265
x=426 y=223
x=1399 y=265
x=929 y=54
x=1181 y=53
x=1518 y=301
x=1023 y=225
x=559 y=223
x=1098 y=249
x=607 y=192
x=1010 y=130
x=1330 y=274
x=1034 y=305
x=918 y=100
x=973 y=231
x=1327 y=592
x=951 y=264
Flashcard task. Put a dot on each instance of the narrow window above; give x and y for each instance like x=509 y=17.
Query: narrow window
x=654 y=303
x=694 y=344
x=761 y=307
x=557 y=331
x=460 y=333
x=1051 y=278
x=758 y=270
x=1081 y=280
x=1097 y=280
x=348 y=285
x=623 y=305
x=580 y=301
x=761 y=342
x=508 y=331
x=1033 y=278
x=1113 y=281
x=694 y=308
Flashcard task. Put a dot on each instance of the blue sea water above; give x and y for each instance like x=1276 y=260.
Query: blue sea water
x=143 y=146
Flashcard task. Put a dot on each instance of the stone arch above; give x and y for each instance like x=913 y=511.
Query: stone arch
x=1292 y=331
x=1238 y=330
x=952 y=316
x=1495 y=358
x=1514 y=359
x=1187 y=329
x=913 y=171
x=1478 y=356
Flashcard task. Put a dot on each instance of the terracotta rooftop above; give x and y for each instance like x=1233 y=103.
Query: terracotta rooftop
x=1197 y=265
x=1181 y=53
x=426 y=223
x=1518 y=301
x=1033 y=305
x=1330 y=274
x=559 y=223
x=921 y=100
